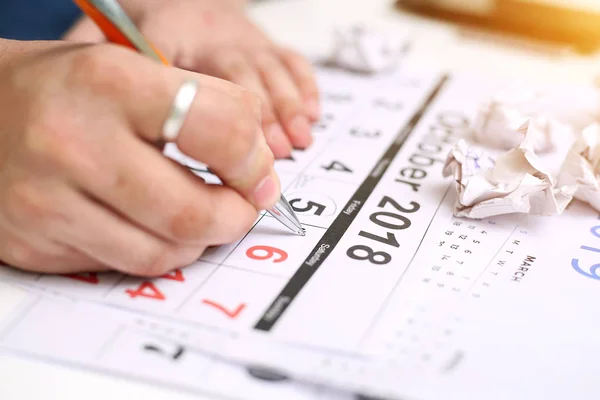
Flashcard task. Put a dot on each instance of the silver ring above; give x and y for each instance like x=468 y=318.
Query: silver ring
x=181 y=105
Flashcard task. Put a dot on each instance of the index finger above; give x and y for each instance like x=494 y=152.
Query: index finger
x=220 y=128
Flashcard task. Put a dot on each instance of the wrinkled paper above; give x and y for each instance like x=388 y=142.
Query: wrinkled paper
x=516 y=182
x=502 y=127
x=580 y=171
x=556 y=112
x=363 y=50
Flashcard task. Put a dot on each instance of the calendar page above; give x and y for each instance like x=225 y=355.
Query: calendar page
x=41 y=328
x=388 y=294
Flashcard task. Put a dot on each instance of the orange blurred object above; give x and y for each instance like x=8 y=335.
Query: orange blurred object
x=570 y=23
x=117 y=27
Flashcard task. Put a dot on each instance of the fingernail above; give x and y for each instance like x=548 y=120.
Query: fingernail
x=266 y=193
x=313 y=109
x=301 y=131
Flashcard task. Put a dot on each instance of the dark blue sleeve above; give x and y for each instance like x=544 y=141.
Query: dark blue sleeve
x=36 y=19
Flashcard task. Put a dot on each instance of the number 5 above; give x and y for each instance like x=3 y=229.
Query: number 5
x=310 y=205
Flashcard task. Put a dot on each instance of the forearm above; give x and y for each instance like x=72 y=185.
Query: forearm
x=136 y=8
x=3 y=48
x=11 y=50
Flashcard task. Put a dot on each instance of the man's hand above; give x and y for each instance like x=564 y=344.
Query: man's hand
x=215 y=37
x=83 y=186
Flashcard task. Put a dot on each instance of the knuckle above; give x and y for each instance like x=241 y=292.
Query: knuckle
x=157 y=263
x=21 y=255
x=296 y=59
x=252 y=99
x=290 y=54
x=268 y=117
x=243 y=138
x=254 y=103
x=191 y=223
x=288 y=105
x=101 y=68
x=22 y=205
x=234 y=64
x=48 y=139
x=265 y=60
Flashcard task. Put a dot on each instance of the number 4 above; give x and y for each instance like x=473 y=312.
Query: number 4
x=337 y=166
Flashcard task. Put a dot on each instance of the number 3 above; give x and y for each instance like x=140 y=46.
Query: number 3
x=271 y=251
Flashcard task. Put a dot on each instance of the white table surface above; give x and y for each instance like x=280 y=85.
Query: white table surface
x=306 y=25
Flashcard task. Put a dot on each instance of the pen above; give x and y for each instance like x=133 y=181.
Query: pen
x=118 y=28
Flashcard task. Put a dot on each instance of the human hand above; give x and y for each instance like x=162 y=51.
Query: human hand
x=215 y=37
x=83 y=185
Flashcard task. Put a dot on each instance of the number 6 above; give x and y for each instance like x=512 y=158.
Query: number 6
x=271 y=251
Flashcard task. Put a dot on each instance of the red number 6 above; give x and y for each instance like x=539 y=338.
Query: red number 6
x=271 y=251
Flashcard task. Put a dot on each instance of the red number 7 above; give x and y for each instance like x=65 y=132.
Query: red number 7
x=230 y=314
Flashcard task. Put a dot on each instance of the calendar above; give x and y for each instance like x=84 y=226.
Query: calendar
x=388 y=294
x=112 y=346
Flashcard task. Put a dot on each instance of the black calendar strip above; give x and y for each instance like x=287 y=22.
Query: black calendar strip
x=343 y=221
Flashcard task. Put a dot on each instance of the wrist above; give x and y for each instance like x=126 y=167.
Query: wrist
x=3 y=49
x=10 y=50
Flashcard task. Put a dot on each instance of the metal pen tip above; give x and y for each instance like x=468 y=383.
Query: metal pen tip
x=283 y=212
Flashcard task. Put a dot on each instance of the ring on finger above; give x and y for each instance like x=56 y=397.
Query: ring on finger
x=179 y=110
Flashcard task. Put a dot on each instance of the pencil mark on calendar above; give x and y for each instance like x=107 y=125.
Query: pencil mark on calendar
x=500 y=262
x=343 y=221
x=266 y=374
x=454 y=361
x=110 y=342
x=14 y=322
x=152 y=348
x=365 y=397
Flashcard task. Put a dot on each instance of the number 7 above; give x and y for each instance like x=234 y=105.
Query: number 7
x=231 y=314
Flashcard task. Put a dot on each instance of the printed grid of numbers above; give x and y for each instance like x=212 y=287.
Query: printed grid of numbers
x=230 y=286
x=464 y=260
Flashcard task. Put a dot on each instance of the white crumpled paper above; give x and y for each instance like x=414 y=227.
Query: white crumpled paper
x=516 y=182
x=580 y=171
x=502 y=127
x=557 y=112
x=359 y=49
